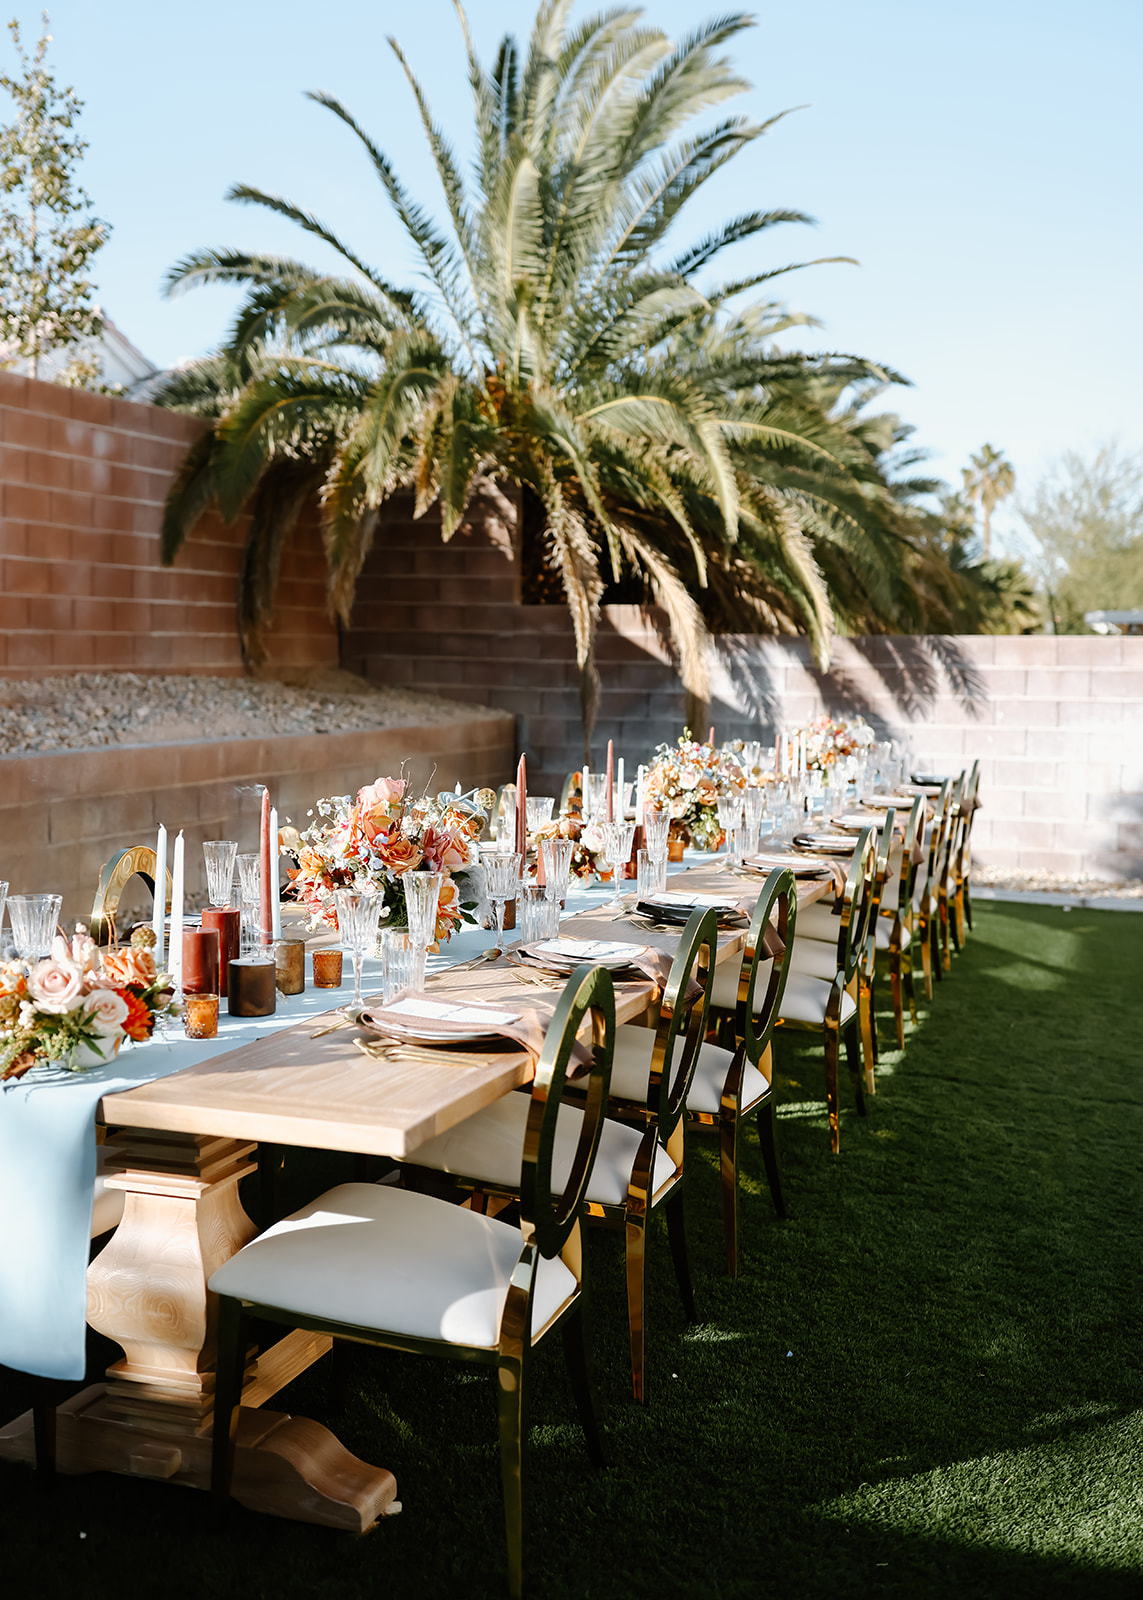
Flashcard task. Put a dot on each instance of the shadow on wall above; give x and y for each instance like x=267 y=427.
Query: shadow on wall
x=912 y=671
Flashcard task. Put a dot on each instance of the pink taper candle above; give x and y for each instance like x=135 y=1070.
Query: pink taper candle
x=710 y=736
x=266 y=914
x=521 y=808
x=609 y=792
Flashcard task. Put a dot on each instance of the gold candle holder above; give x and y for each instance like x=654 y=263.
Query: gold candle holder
x=251 y=986
x=327 y=969
x=290 y=963
x=200 y=1016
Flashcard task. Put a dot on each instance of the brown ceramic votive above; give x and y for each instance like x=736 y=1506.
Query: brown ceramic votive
x=200 y=1016
x=252 y=988
x=290 y=961
x=200 y=961
x=327 y=969
x=227 y=922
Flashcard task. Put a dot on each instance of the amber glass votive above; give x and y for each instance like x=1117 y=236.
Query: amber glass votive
x=327 y=969
x=290 y=961
x=227 y=923
x=200 y=961
x=252 y=988
x=200 y=1016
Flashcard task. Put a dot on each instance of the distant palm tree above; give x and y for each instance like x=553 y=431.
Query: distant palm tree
x=560 y=348
x=988 y=480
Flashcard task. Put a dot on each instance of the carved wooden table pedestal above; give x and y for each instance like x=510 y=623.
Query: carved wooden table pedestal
x=147 y=1291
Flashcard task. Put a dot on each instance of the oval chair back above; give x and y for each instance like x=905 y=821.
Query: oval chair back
x=673 y=1068
x=754 y=1022
x=544 y=1216
x=907 y=881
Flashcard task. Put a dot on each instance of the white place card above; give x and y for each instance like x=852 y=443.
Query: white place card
x=438 y=1012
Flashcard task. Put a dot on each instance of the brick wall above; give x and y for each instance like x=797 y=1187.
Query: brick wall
x=83 y=479
x=1057 y=723
x=63 y=815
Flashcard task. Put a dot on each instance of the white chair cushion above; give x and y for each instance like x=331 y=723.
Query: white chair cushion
x=806 y=998
x=885 y=933
x=814 y=958
x=724 y=990
x=382 y=1258
x=710 y=1075
x=817 y=921
x=107 y=1210
x=486 y=1147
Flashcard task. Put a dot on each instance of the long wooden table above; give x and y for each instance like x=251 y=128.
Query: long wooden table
x=181 y=1146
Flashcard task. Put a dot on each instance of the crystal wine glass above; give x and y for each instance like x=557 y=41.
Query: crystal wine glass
x=501 y=876
x=422 y=891
x=556 y=854
x=219 y=855
x=34 y=918
x=250 y=887
x=617 y=840
x=357 y=925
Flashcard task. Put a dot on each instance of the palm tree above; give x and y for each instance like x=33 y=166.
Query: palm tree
x=562 y=348
x=988 y=480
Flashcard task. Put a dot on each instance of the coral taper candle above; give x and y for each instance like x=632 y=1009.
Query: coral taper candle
x=710 y=736
x=609 y=789
x=522 y=808
x=265 y=917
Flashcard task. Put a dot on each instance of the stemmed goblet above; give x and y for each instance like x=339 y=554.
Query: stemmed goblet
x=501 y=876
x=357 y=925
x=219 y=855
x=617 y=841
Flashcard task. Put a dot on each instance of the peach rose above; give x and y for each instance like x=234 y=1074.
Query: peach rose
x=130 y=965
x=398 y=855
x=56 y=986
x=107 y=1010
x=376 y=802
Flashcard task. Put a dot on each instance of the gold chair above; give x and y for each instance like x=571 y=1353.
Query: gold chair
x=822 y=990
x=640 y=1162
x=961 y=859
x=733 y=1079
x=384 y=1266
x=926 y=898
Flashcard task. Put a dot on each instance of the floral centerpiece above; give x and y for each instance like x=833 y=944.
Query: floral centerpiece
x=688 y=780
x=76 y=1007
x=377 y=838
x=587 y=855
x=828 y=739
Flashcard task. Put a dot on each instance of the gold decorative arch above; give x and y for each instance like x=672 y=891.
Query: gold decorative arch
x=124 y=865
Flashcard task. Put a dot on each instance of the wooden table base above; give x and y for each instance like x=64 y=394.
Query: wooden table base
x=147 y=1291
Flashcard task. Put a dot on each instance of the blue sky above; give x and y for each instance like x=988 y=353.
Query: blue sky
x=980 y=160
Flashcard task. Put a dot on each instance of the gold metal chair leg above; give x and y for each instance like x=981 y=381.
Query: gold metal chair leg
x=868 y=1034
x=769 y=1143
x=635 y=1231
x=510 y=1407
x=925 y=939
x=831 y=1055
x=853 y=1062
x=898 y=1001
x=910 y=986
x=728 y=1171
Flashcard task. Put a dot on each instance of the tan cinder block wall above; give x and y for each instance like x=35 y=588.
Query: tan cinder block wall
x=1056 y=723
x=83 y=479
x=63 y=815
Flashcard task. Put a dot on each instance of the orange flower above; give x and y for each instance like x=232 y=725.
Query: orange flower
x=398 y=855
x=130 y=965
x=138 y=1023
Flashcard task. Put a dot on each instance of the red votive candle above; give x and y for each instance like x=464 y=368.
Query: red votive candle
x=227 y=923
x=200 y=961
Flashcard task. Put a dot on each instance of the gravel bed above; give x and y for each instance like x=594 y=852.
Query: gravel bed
x=94 y=709
x=1056 y=883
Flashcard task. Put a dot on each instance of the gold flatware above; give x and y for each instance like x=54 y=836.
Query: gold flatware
x=395 y=1050
x=349 y=1018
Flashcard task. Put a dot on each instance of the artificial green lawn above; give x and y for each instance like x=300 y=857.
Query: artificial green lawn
x=928 y=1381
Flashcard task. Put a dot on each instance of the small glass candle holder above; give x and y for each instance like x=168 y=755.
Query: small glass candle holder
x=252 y=988
x=200 y=1016
x=327 y=969
x=290 y=962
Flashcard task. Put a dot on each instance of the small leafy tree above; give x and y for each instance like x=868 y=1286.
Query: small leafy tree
x=1086 y=515
x=47 y=234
